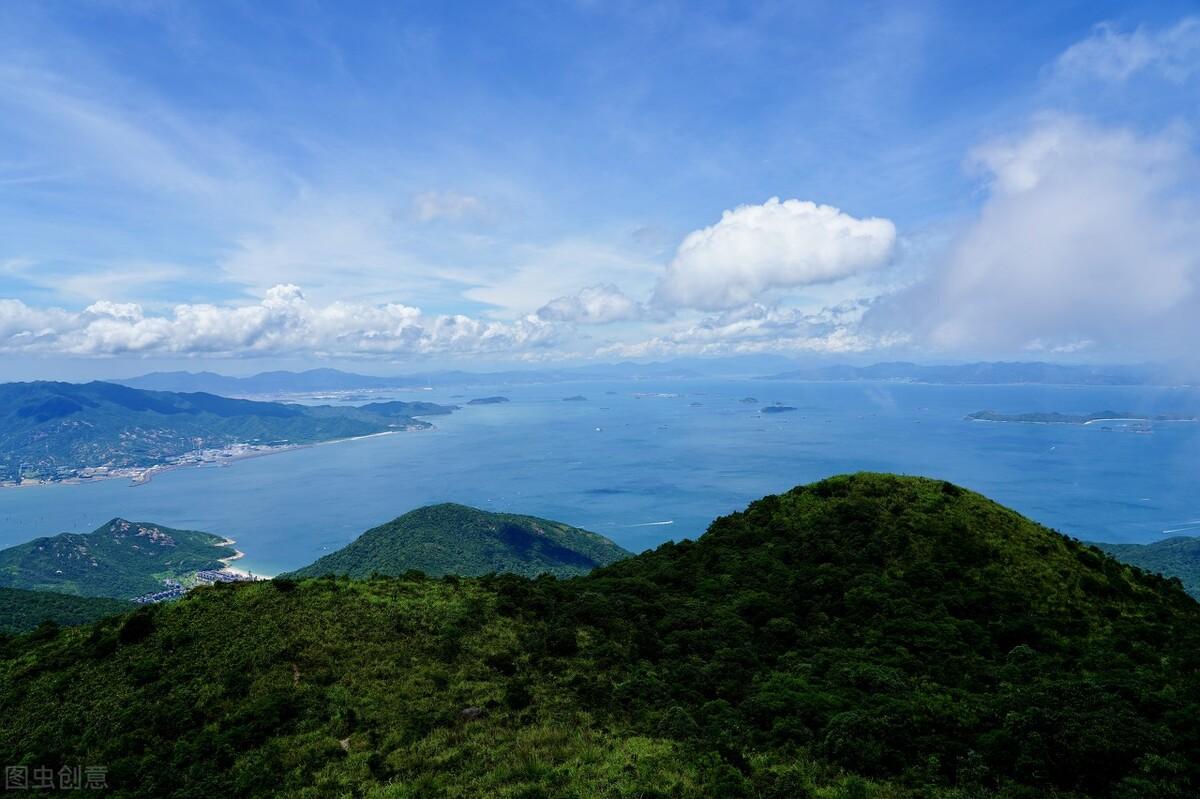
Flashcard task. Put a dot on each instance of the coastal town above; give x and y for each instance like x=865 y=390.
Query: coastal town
x=31 y=474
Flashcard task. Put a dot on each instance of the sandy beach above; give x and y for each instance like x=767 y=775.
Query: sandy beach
x=228 y=568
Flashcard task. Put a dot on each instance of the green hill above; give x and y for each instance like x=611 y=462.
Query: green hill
x=119 y=559
x=456 y=539
x=864 y=636
x=21 y=610
x=52 y=430
x=1172 y=557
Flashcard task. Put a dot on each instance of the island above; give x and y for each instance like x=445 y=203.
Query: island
x=748 y=400
x=777 y=408
x=487 y=400
x=1072 y=418
x=576 y=398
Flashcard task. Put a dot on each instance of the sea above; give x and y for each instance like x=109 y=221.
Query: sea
x=647 y=461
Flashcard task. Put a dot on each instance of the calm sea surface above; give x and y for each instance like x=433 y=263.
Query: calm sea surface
x=644 y=469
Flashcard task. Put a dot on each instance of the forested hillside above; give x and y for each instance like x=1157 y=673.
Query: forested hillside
x=865 y=636
x=120 y=559
x=22 y=611
x=455 y=539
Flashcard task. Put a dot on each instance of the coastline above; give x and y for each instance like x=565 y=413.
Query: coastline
x=229 y=568
x=141 y=476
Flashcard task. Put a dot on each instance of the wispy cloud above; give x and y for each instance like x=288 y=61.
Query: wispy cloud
x=430 y=206
x=1088 y=234
x=1112 y=54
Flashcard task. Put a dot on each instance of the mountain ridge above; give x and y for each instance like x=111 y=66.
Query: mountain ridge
x=457 y=539
x=862 y=636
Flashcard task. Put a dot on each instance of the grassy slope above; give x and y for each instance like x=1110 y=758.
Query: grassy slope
x=867 y=636
x=22 y=611
x=456 y=539
x=119 y=559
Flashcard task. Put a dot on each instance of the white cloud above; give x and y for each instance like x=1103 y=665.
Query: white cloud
x=1113 y=55
x=1088 y=240
x=758 y=328
x=599 y=304
x=451 y=205
x=776 y=245
x=531 y=276
x=283 y=322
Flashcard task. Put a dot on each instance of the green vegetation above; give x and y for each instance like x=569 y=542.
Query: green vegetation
x=21 y=610
x=865 y=636
x=1077 y=418
x=396 y=408
x=53 y=430
x=455 y=539
x=120 y=559
x=1172 y=557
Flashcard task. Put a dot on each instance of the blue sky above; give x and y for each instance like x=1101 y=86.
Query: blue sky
x=243 y=185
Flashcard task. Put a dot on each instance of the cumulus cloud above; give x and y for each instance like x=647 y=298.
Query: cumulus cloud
x=593 y=305
x=758 y=328
x=1087 y=239
x=776 y=245
x=283 y=322
x=1114 y=55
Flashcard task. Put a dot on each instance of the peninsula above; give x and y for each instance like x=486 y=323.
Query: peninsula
x=68 y=432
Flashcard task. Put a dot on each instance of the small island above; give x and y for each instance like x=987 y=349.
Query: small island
x=748 y=400
x=1071 y=418
x=576 y=398
x=778 y=408
x=487 y=400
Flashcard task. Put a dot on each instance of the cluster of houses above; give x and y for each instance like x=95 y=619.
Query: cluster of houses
x=174 y=590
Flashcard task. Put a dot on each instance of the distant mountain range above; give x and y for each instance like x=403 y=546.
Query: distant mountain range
x=987 y=373
x=120 y=559
x=318 y=380
x=55 y=431
x=456 y=539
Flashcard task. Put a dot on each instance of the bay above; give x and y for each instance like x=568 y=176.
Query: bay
x=646 y=461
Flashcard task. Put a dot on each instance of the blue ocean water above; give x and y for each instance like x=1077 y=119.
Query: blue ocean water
x=647 y=461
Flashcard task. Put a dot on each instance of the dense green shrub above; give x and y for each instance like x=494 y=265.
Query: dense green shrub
x=866 y=636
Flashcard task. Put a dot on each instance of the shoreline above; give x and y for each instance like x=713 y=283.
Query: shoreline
x=147 y=474
x=229 y=568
